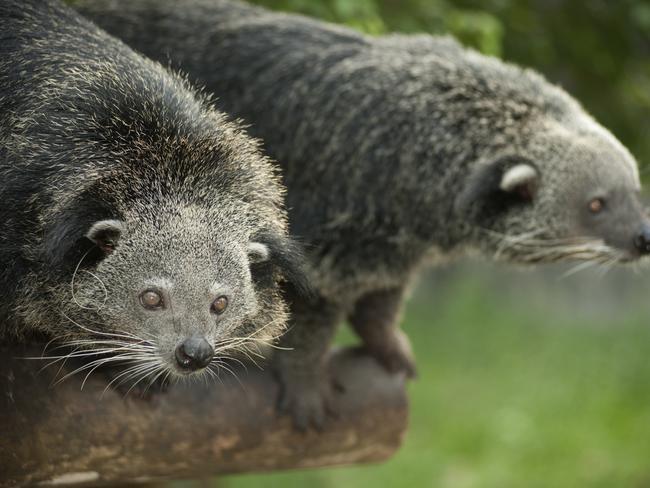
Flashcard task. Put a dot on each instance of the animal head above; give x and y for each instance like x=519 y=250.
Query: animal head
x=567 y=190
x=170 y=289
x=171 y=292
x=173 y=262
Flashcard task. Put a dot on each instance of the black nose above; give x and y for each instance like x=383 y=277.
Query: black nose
x=194 y=353
x=642 y=240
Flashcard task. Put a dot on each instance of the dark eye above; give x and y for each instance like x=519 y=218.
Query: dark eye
x=596 y=205
x=219 y=305
x=151 y=300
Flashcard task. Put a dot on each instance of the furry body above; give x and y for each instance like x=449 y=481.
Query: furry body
x=119 y=184
x=396 y=151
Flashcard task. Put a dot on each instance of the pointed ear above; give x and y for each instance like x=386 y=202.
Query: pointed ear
x=495 y=187
x=106 y=234
x=520 y=180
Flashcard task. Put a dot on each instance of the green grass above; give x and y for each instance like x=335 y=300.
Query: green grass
x=512 y=395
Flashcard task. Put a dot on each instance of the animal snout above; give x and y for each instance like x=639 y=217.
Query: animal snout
x=194 y=353
x=642 y=240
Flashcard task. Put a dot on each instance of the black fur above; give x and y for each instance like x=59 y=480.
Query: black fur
x=92 y=133
x=393 y=150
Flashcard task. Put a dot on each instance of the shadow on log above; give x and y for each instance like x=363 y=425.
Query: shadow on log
x=64 y=436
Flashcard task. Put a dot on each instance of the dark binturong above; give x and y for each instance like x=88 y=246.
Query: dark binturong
x=396 y=151
x=141 y=227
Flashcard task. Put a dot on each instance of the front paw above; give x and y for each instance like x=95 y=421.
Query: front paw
x=395 y=354
x=309 y=403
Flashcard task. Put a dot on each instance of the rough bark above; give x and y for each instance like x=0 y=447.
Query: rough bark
x=63 y=435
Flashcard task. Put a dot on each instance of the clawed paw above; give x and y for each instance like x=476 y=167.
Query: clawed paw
x=308 y=405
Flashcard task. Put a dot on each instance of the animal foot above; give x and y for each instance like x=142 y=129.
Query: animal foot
x=395 y=354
x=308 y=403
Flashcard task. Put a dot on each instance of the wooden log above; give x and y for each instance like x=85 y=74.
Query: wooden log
x=65 y=436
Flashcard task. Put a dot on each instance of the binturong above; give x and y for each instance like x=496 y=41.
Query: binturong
x=141 y=227
x=396 y=151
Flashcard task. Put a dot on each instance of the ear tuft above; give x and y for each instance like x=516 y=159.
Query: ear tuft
x=520 y=179
x=258 y=252
x=105 y=234
x=494 y=187
x=280 y=253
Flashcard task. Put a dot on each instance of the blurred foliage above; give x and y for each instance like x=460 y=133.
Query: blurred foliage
x=599 y=50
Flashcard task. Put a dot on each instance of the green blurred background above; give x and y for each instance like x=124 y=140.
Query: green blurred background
x=526 y=379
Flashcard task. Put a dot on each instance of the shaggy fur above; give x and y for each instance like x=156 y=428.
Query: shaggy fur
x=118 y=178
x=396 y=150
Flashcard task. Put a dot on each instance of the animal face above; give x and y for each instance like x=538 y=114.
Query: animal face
x=171 y=297
x=561 y=195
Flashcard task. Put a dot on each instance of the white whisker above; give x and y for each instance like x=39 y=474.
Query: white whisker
x=73 y=280
x=146 y=373
x=163 y=370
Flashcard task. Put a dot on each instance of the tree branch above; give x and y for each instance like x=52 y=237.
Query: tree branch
x=62 y=435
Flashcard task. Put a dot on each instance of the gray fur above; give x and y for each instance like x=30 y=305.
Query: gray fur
x=396 y=151
x=117 y=177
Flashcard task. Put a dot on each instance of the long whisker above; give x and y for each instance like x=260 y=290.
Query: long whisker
x=124 y=335
x=127 y=357
x=143 y=365
x=103 y=325
x=147 y=372
x=163 y=370
x=230 y=358
x=222 y=365
x=531 y=247
x=73 y=281
x=238 y=340
x=92 y=371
